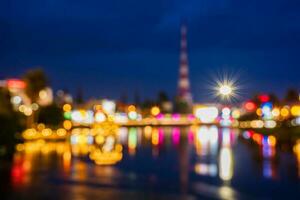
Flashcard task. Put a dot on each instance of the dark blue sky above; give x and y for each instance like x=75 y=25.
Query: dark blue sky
x=111 y=47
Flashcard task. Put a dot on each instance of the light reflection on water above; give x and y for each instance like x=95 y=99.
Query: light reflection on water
x=191 y=153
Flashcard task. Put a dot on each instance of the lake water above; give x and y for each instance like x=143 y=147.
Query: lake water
x=156 y=163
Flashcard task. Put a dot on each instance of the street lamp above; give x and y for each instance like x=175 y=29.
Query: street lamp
x=225 y=90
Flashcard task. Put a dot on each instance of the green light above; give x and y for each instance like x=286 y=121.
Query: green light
x=67 y=115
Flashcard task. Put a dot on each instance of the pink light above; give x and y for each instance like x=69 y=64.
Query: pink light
x=160 y=136
x=176 y=136
x=191 y=117
x=160 y=116
x=191 y=136
x=176 y=117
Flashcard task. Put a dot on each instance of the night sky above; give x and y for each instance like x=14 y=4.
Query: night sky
x=112 y=47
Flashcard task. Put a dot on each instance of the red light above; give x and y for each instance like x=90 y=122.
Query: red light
x=17 y=175
x=250 y=106
x=251 y=133
x=264 y=98
x=15 y=83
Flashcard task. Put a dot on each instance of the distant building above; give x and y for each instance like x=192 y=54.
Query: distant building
x=62 y=97
x=184 y=99
x=16 y=87
x=19 y=98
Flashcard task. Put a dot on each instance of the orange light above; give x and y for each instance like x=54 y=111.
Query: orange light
x=250 y=106
x=67 y=124
x=271 y=140
x=257 y=138
x=131 y=108
x=259 y=112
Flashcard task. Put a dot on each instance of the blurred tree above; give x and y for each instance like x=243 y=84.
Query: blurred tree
x=248 y=116
x=6 y=107
x=292 y=95
x=51 y=115
x=79 y=96
x=36 y=81
x=9 y=123
x=274 y=99
x=162 y=97
x=147 y=104
x=182 y=106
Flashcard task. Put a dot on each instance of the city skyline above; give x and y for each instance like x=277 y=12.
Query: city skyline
x=109 y=48
x=161 y=99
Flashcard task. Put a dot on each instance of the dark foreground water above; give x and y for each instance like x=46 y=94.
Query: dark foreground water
x=157 y=163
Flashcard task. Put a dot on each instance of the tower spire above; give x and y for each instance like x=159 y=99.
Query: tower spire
x=183 y=81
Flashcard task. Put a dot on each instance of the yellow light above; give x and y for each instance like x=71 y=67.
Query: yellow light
x=41 y=126
x=225 y=90
x=111 y=118
x=67 y=157
x=270 y=124
x=20 y=147
x=147 y=131
x=67 y=107
x=275 y=112
x=61 y=132
x=28 y=111
x=67 y=124
x=22 y=108
x=99 y=139
x=29 y=134
x=155 y=110
x=236 y=114
x=131 y=108
x=81 y=139
x=155 y=137
x=295 y=110
x=35 y=106
x=46 y=132
x=43 y=94
x=119 y=148
x=106 y=158
x=284 y=112
x=296 y=149
x=97 y=107
x=256 y=124
x=259 y=112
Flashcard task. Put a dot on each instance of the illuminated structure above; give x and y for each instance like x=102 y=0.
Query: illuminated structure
x=21 y=101
x=16 y=87
x=184 y=93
